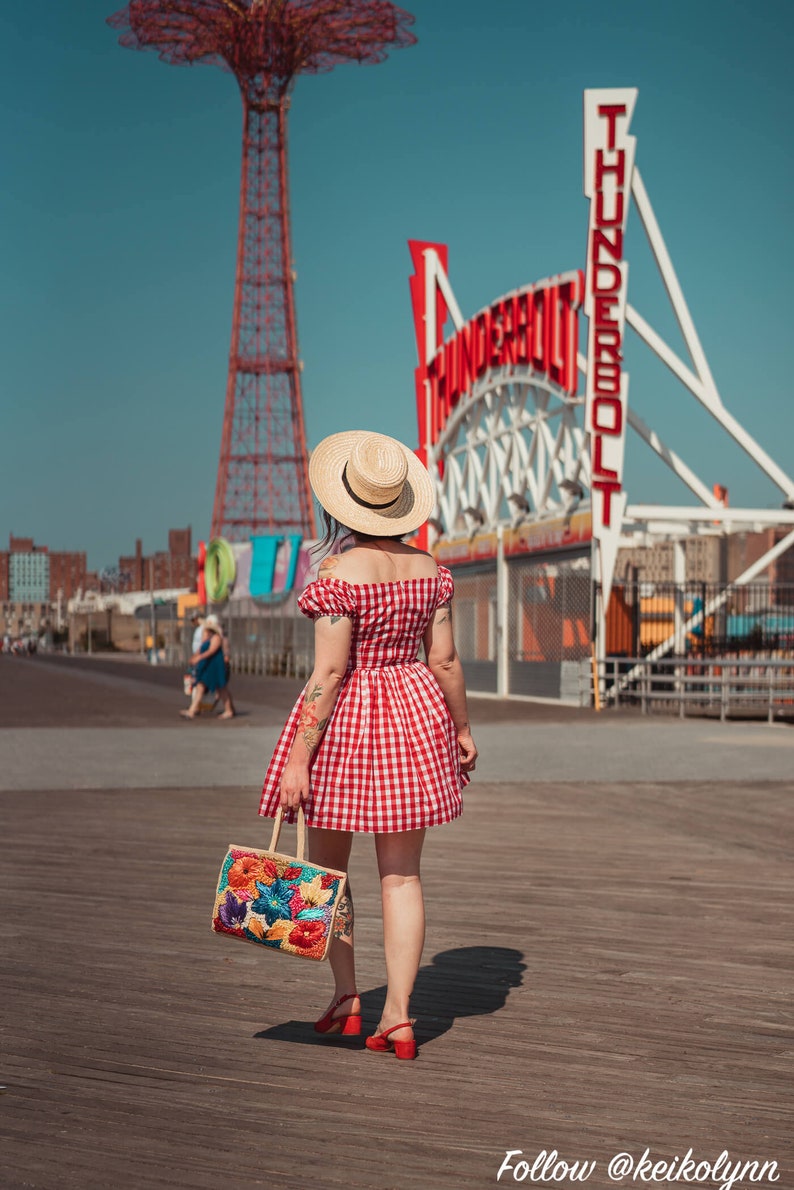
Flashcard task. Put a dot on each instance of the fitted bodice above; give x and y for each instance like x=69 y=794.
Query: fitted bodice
x=389 y=619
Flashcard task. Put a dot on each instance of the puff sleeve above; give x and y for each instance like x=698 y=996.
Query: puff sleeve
x=328 y=597
x=446 y=587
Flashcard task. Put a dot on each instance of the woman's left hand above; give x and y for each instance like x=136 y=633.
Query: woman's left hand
x=467 y=751
x=295 y=783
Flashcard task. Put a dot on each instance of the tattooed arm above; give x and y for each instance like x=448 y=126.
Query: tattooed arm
x=443 y=660
x=332 y=637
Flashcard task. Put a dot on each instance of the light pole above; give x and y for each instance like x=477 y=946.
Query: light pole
x=153 y=654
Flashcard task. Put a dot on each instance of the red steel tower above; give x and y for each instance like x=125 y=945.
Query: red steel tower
x=263 y=481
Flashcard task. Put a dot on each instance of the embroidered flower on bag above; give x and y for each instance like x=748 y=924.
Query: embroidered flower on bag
x=245 y=872
x=306 y=933
x=313 y=892
x=232 y=913
x=280 y=930
x=274 y=901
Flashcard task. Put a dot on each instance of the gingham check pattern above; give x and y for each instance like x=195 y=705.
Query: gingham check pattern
x=389 y=758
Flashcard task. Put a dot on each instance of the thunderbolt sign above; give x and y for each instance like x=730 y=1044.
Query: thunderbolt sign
x=608 y=167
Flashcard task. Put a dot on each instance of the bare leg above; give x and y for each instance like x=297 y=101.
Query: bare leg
x=194 y=709
x=399 y=856
x=331 y=849
x=225 y=696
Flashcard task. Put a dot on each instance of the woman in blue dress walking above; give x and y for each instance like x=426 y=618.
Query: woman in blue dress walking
x=210 y=666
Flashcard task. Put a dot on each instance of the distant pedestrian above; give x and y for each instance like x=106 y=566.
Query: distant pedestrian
x=197 y=621
x=210 y=671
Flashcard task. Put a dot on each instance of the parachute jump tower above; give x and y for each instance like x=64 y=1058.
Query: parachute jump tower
x=263 y=483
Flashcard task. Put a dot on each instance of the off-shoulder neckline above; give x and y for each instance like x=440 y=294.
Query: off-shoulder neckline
x=394 y=582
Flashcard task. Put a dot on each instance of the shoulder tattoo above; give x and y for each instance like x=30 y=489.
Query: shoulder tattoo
x=328 y=565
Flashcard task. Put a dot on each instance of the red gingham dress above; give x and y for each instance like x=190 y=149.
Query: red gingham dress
x=388 y=760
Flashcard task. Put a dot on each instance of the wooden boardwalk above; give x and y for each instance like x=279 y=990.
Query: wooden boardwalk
x=614 y=978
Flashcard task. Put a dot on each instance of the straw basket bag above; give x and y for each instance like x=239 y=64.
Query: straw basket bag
x=278 y=901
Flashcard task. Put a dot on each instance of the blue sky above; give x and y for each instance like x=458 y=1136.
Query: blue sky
x=119 y=219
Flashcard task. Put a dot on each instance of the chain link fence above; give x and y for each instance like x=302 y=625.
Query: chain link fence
x=526 y=631
x=475 y=624
x=549 y=609
x=699 y=619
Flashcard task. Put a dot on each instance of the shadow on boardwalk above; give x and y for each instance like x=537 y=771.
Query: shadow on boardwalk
x=469 y=981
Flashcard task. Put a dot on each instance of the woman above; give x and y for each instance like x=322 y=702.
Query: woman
x=378 y=742
x=210 y=671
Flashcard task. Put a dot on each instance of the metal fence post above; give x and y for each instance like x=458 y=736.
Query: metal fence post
x=724 y=694
x=644 y=689
x=502 y=617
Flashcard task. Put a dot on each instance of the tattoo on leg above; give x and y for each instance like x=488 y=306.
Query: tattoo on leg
x=343 y=922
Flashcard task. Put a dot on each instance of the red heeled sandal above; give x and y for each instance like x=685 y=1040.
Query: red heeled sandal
x=380 y=1043
x=348 y=1024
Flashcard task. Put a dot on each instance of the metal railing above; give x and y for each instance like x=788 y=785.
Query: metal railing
x=724 y=687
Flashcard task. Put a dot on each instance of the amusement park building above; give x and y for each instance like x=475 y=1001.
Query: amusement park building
x=709 y=559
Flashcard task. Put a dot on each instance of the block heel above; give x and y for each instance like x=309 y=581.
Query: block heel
x=380 y=1043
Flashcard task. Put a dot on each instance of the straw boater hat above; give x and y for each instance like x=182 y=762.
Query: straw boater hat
x=371 y=484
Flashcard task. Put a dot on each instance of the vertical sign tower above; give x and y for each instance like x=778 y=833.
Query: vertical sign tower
x=608 y=169
x=263 y=482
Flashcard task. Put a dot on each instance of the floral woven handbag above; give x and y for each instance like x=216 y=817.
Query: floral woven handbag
x=278 y=901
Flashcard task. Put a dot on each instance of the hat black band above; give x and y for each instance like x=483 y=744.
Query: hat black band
x=365 y=503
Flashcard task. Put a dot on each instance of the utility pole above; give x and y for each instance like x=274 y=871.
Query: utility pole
x=153 y=654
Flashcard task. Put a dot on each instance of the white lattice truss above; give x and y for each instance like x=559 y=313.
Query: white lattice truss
x=512 y=449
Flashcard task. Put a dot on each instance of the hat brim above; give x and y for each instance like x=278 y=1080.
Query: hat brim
x=326 y=468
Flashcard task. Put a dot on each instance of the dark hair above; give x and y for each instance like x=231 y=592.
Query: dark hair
x=335 y=532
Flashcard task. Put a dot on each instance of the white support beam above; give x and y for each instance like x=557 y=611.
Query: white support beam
x=649 y=436
x=702 y=385
x=671 y=284
x=722 y=515
x=668 y=357
x=673 y=461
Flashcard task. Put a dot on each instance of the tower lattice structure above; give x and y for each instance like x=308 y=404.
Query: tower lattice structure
x=263 y=479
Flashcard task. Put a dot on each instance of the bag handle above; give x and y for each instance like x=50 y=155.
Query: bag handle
x=301 y=832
